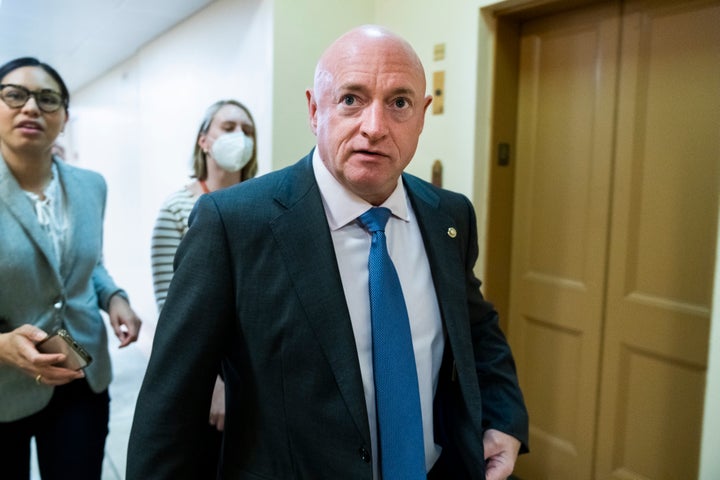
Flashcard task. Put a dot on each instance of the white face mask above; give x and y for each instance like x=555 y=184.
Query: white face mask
x=232 y=151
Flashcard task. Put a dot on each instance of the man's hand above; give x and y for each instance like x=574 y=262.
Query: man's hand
x=501 y=452
x=217 y=406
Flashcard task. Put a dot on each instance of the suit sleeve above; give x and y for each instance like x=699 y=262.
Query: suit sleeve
x=190 y=340
x=103 y=283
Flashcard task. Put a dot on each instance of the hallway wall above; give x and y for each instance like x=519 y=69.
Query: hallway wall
x=137 y=124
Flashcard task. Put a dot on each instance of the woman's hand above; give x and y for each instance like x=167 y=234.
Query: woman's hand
x=17 y=348
x=124 y=321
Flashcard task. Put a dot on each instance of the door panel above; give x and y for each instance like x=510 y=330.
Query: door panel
x=564 y=151
x=663 y=237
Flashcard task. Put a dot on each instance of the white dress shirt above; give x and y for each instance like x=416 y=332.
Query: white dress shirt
x=407 y=251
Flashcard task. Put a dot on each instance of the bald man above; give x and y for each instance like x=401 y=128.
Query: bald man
x=271 y=283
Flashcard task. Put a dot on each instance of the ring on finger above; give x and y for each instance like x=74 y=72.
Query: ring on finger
x=38 y=379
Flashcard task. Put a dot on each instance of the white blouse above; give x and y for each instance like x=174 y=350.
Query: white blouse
x=52 y=213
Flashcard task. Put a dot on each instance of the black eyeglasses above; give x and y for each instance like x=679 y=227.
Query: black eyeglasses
x=16 y=96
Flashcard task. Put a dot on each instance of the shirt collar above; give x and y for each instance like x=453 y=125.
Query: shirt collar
x=342 y=206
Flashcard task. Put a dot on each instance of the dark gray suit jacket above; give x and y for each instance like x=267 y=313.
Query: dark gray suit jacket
x=257 y=288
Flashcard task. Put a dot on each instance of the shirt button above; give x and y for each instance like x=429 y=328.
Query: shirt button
x=364 y=455
x=59 y=304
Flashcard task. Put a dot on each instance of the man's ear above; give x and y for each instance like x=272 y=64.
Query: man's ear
x=312 y=110
x=428 y=101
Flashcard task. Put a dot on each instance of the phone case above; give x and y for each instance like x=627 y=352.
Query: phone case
x=61 y=342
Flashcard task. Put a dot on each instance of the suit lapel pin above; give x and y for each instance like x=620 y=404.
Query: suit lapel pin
x=452 y=233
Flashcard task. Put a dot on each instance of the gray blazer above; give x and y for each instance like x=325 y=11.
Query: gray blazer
x=35 y=289
x=257 y=288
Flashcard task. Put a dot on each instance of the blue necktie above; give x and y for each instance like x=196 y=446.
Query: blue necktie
x=397 y=399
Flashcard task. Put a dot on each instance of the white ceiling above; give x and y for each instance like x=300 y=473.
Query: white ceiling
x=82 y=39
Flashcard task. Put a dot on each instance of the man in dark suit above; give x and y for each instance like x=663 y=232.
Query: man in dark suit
x=271 y=282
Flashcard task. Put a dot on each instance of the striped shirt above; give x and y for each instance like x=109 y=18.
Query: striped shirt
x=170 y=227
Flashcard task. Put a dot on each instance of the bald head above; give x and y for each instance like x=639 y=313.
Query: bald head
x=363 y=40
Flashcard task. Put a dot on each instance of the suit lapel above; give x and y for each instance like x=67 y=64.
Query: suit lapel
x=17 y=203
x=303 y=236
x=446 y=265
x=80 y=211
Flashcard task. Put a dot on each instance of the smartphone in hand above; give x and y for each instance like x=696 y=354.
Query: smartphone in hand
x=77 y=357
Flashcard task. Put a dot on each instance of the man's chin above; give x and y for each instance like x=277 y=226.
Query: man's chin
x=373 y=189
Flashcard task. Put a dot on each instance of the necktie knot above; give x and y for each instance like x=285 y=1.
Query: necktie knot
x=375 y=219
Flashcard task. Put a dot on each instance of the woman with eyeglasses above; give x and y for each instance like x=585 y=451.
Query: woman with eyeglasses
x=225 y=153
x=51 y=277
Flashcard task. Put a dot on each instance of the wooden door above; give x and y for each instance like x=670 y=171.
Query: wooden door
x=614 y=231
x=568 y=71
x=663 y=235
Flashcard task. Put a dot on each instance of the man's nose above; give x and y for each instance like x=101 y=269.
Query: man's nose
x=374 y=122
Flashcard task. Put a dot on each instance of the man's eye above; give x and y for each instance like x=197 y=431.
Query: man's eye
x=348 y=100
x=401 y=103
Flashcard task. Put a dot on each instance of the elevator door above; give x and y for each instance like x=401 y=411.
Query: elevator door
x=618 y=154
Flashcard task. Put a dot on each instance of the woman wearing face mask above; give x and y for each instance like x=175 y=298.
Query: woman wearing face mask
x=225 y=154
